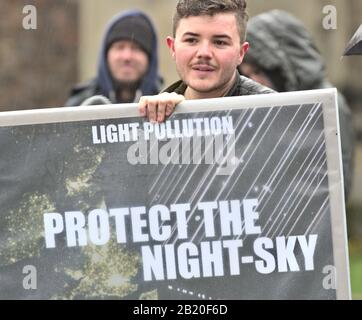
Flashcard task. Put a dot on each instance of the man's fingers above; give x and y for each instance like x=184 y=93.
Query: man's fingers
x=152 y=110
x=169 y=109
x=161 y=110
x=173 y=99
x=156 y=108
x=142 y=105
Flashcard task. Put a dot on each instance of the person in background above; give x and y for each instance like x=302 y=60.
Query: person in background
x=127 y=63
x=283 y=56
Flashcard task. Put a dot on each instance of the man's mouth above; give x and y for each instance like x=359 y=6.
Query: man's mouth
x=203 y=67
x=127 y=66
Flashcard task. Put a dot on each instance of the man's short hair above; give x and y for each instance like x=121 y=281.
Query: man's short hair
x=194 y=8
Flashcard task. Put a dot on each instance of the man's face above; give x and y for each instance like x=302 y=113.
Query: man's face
x=127 y=62
x=207 y=51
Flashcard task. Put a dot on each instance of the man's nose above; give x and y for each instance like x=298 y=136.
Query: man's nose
x=204 y=50
x=126 y=53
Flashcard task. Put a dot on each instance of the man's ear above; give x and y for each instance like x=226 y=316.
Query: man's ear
x=171 y=45
x=243 y=49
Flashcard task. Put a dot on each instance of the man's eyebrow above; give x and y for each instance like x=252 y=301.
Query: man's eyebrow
x=189 y=33
x=218 y=36
x=221 y=36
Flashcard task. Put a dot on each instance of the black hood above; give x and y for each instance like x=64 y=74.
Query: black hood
x=280 y=43
x=151 y=82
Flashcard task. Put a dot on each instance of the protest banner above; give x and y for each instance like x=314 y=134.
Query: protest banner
x=230 y=198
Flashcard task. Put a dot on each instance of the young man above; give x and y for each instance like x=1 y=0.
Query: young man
x=208 y=45
x=128 y=62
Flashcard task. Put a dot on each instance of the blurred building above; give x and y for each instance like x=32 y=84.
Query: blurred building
x=37 y=65
x=64 y=47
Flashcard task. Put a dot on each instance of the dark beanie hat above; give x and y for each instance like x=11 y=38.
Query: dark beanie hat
x=134 y=28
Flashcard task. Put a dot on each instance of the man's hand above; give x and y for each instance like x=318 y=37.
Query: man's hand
x=157 y=108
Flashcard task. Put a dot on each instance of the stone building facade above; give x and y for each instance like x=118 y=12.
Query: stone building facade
x=37 y=66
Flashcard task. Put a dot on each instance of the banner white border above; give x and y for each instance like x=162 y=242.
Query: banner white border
x=328 y=98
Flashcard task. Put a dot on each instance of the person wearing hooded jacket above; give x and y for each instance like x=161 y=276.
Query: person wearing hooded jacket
x=283 y=56
x=127 y=62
